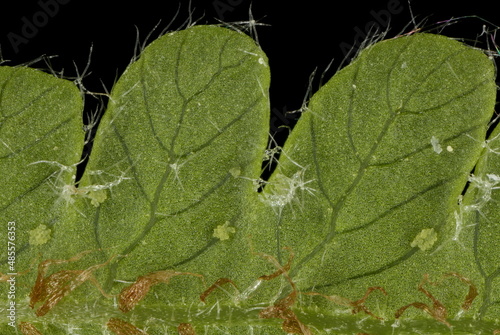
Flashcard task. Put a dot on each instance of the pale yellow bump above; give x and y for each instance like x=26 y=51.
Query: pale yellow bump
x=40 y=235
x=222 y=232
x=97 y=197
x=425 y=239
x=235 y=172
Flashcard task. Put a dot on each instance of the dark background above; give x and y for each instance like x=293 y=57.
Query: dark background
x=301 y=36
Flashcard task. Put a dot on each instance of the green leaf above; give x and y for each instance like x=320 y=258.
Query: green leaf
x=41 y=140
x=366 y=195
x=40 y=123
x=478 y=219
x=366 y=149
x=202 y=130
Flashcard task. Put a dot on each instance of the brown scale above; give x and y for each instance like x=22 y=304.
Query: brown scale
x=282 y=308
x=185 y=329
x=357 y=305
x=121 y=327
x=131 y=295
x=56 y=286
x=438 y=310
x=28 y=329
x=218 y=283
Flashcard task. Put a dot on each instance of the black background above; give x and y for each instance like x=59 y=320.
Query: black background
x=300 y=36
